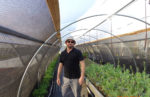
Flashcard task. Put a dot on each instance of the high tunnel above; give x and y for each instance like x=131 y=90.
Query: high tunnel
x=31 y=36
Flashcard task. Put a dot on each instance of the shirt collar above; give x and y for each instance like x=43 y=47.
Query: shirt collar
x=70 y=51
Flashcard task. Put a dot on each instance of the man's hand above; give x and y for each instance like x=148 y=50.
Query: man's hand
x=58 y=81
x=58 y=73
x=81 y=80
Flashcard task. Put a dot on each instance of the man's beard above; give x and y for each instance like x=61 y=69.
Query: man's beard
x=70 y=47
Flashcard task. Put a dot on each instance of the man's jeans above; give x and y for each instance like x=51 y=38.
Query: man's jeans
x=72 y=84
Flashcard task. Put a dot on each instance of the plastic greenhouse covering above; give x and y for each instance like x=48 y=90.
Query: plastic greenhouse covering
x=118 y=30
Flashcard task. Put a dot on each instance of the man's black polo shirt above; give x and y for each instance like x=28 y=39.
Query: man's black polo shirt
x=70 y=62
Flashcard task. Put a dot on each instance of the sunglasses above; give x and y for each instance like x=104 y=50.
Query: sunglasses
x=70 y=41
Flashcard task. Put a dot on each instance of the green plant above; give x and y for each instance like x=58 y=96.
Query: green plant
x=85 y=54
x=41 y=91
x=117 y=82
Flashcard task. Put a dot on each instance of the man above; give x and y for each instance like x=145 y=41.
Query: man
x=73 y=78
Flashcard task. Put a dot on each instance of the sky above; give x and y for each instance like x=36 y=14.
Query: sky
x=70 y=10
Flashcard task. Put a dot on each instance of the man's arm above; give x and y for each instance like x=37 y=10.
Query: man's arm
x=81 y=79
x=58 y=73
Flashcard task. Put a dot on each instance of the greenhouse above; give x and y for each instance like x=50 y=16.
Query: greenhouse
x=113 y=36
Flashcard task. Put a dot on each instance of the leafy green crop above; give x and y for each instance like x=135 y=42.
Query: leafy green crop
x=41 y=91
x=85 y=54
x=116 y=82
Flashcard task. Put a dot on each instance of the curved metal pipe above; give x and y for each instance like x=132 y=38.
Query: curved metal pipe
x=111 y=54
x=20 y=85
x=110 y=34
x=89 y=45
x=121 y=41
x=18 y=54
x=108 y=50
